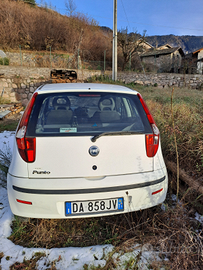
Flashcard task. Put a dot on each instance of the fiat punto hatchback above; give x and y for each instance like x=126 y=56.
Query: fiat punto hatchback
x=84 y=150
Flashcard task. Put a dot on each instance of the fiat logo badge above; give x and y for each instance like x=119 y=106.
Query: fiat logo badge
x=94 y=151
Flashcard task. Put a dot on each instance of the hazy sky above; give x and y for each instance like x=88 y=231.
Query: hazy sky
x=158 y=17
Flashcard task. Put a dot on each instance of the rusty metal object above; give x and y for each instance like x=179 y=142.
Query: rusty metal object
x=63 y=76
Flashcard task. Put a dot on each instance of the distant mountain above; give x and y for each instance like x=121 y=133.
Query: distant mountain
x=106 y=29
x=187 y=43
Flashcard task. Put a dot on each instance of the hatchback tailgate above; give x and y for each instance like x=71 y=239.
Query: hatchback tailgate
x=65 y=157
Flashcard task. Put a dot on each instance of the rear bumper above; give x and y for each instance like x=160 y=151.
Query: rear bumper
x=48 y=196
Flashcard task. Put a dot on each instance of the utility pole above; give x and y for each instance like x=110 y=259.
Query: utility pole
x=114 y=59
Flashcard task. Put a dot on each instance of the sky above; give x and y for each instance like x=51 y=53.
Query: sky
x=157 y=17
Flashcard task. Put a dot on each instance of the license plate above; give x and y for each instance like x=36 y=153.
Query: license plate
x=99 y=206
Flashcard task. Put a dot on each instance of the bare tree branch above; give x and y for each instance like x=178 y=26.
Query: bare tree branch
x=130 y=44
x=70 y=6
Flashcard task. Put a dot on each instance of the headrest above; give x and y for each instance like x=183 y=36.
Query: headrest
x=107 y=104
x=61 y=101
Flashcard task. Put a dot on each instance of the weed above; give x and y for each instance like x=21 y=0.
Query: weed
x=69 y=242
x=131 y=263
x=8 y=125
x=99 y=67
x=17 y=228
x=4 y=61
x=29 y=264
x=114 y=240
x=1 y=256
x=4 y=100
x=92 y=267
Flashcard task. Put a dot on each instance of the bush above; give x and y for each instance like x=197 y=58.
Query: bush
x=4 y=61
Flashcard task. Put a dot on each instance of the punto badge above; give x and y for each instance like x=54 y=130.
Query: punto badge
x=94 y=151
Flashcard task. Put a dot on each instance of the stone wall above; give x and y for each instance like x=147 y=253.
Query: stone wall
x=18 y=83
x=37 y=59
x=192 y=81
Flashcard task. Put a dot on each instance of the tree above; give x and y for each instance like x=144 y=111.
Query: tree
x=130 y=44
x=70 y=6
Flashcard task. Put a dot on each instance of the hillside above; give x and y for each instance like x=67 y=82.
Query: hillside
x=39 y=29
x=35 y=28
x=187 y=43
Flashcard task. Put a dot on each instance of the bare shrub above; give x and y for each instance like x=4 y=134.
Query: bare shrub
x=188 y=129
x=42 y=28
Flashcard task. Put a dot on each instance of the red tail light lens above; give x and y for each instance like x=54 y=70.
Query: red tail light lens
x=155 y=192
x=26 y=146
x=152 y=140
x=24 y=202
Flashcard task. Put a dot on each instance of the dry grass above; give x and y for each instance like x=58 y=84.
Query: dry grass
x=188 y=122
x=173 y=233
x=20 y=24
x=29 y=264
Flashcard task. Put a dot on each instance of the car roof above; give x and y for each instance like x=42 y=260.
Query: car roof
x=84 y=87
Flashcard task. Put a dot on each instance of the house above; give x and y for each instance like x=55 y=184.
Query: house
x=163 y=47
x=198 y=57
x=193 y=62
x=163 y=60
x=146 y=46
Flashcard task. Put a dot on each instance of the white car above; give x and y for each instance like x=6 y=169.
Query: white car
x=85 y=150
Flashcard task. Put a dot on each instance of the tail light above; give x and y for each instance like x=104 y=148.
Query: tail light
x=152 y=140
x=26 y=146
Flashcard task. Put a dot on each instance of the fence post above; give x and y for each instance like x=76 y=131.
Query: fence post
x=130 y=63
x=21 y=61
x=78 y=56
x=50 y=57
x=104 y=61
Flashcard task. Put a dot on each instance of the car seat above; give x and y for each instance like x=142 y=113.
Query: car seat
x=106 y=111
x=62 y=114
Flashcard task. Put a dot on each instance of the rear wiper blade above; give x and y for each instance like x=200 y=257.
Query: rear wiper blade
x=114 y=133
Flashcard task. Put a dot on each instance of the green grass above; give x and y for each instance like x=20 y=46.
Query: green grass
x=4 y=61
x=4 y=100
x=9 y=125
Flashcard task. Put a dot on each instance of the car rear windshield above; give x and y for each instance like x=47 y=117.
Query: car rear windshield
x=80 y=113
